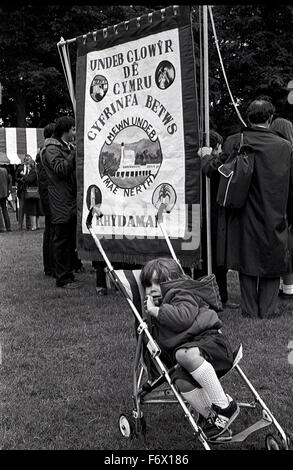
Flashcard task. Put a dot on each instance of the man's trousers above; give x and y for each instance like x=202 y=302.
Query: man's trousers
x=64 y=250
x=259 y=296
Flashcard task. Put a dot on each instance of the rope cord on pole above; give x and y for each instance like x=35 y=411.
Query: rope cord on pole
x=222 y=65
x=201 y=77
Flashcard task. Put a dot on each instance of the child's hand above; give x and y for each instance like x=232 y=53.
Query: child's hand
x=150 y=307
x=203 y=151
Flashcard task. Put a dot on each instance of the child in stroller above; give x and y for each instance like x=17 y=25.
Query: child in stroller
x=188 y=332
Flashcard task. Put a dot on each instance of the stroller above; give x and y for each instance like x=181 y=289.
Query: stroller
x=149 y=371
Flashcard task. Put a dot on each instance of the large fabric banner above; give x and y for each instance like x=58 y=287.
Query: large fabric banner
x=137 y=138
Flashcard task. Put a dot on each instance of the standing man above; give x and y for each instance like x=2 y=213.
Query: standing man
x=21 y=172
x=4 y=191
x=48 y=260
x=210 y=164
x=59 y=163
x=257 y=235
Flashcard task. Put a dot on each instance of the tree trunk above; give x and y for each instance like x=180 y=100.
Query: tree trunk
x=19 y=108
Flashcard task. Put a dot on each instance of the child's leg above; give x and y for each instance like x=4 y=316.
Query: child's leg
x=204 y=373
x=196 y=397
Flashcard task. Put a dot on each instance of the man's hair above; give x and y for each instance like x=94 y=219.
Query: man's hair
x=264 y=98
x=259 y=111
x=49 y=130
x=63 y=124
x=165 y=269
x=215 y=139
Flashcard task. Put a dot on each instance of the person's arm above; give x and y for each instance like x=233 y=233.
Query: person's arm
x=210 y=163
x=61 y=166
x=19 y=174
x=180 y=313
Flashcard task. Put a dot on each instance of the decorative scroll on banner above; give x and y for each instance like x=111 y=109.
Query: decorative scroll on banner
x=137 y=138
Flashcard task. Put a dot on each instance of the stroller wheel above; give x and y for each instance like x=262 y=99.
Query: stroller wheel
x=272 y=443
x=126 y=426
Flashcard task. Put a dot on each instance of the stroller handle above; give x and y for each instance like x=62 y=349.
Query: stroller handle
x=89 y=218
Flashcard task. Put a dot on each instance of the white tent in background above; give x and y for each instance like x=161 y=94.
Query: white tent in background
x=15 y=142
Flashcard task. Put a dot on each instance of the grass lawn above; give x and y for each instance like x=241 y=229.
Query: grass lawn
x=66 y=363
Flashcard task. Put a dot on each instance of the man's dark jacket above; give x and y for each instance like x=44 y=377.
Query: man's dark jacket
x=43 y=182
x=257 y=235
x=59 y=162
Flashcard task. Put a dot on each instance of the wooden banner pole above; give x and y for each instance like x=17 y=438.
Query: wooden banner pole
x=207 y=131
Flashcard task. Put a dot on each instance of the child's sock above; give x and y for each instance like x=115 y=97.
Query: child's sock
x=206 y=376
x=199 y=400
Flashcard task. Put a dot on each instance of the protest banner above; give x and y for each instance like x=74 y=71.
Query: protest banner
x=137 y=138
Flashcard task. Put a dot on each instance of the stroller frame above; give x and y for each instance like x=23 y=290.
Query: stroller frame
x=134 y=424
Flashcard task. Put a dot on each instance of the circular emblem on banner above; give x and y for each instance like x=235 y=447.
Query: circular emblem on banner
x=131 y=158
x=98 y=88
x=165 y=75
x=164 y=194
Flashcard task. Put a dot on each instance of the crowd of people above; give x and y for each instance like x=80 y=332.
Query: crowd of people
x=47 y=187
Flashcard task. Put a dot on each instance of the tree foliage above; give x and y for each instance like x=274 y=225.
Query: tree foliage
x=34 y=88
x=255 y=43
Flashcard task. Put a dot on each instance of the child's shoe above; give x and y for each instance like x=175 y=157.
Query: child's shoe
x=220 y=419
x=213 y=430
x=228 y=414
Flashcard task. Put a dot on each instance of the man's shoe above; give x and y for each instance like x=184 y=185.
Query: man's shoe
x=100 y=291
x=283 y=295
x=71 y=285
x=81 y=269
x=230 y=304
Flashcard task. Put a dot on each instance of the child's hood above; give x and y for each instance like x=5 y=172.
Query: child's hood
x=205 y=290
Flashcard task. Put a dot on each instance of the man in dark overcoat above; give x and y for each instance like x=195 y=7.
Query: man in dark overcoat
x=256 y=242
x=59 y=163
